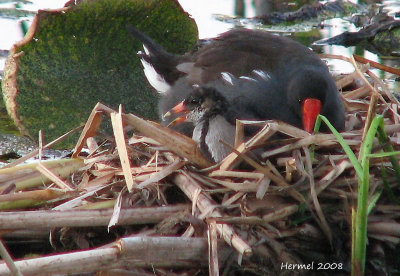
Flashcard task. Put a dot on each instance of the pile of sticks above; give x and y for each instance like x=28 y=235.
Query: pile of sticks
x=170 y=210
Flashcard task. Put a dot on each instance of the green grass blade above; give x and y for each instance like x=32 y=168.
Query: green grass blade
x=360 y=219
x=317 y=124
x=362 y=197
x=373 y=201
x=350 y=154
x=384 y=139
x=383 y=154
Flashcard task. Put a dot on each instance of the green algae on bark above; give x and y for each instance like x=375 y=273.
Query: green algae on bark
x=77 y=56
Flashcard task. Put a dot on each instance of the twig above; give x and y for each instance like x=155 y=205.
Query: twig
x=204 y=203
x=81 y=218
x=126 y=252
x=120 y=140
x=8 y=260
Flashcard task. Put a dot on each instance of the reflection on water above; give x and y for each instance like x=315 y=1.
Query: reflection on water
x=204 y=13
x=245 y=8
x=209 y=27
x=328 y=28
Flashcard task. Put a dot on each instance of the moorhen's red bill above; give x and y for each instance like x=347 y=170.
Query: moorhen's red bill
x=270 y=77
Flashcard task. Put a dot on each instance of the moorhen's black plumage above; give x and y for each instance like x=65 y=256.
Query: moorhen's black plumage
x=214 y=108
x=270 y=77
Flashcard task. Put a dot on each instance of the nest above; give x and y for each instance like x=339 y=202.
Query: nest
x=147 y=201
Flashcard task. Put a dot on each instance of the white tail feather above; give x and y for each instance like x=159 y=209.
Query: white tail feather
x=155 y=79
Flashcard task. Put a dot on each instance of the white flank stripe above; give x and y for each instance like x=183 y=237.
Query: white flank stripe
x=262 y=74
x=227 y=77
x=247 y=78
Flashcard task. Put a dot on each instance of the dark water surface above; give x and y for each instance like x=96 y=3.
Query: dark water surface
x=210 y=16
x=206 y=13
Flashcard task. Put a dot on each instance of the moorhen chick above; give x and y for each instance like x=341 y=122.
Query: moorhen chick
x=209 y=111
x=279 y=78
x=214 y=108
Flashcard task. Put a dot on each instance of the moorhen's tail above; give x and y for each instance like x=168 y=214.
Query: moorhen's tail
x=159 y=65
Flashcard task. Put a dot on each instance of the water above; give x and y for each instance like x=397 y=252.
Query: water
x=204 y=12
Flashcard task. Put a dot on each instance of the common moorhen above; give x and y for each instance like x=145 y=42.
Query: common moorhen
x=273 y=76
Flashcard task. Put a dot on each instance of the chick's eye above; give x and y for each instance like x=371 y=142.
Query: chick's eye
x=194 y=101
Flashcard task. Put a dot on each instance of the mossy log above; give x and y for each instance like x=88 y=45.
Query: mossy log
x=76 y=56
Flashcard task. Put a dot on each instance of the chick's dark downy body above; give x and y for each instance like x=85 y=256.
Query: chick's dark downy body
x=208 y=110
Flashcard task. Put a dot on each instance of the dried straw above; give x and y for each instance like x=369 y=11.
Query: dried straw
x=294 y=206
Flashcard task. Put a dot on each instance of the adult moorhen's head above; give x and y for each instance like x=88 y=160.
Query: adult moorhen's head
x=311 y=92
